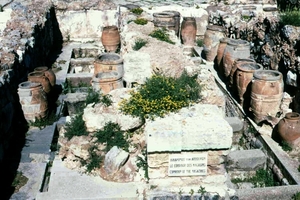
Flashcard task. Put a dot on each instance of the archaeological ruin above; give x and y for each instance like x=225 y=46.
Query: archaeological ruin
x=156 y=99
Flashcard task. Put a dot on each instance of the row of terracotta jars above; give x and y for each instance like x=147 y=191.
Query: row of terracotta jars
x=257 y=90
x=108 y=72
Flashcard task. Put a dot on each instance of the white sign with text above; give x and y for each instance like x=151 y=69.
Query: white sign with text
x=188 y=164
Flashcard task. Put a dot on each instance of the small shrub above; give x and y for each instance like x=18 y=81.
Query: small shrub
x=139 y=43
x=162 y=35
x=76 y=127
x=137 y=11
x=92 y=97
x=94 y=161
x=290 y=18
x=160 y=95
x=296 y=196
x=141 y=21
x=202 y=190
x=106 y=100
x=199 y=42
x=285 y=146
x=112 y=135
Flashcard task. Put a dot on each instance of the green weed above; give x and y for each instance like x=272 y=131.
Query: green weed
x=112 y=135
x=162 y=35
x=141 y=21
x=290 y=18
x=41 y=123
x=199 y=42
x=76 y=127
x=137 y=11
x=143 y=163
x=139 y=43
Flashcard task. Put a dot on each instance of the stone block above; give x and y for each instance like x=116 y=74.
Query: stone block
x=199 y=127
x=246 y=160
x=235 y=122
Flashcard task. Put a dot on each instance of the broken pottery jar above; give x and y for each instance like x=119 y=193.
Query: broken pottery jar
x=211 y=41
x=288 y=128
x=33 y=100
x=48 y=73
x=110 y=38
x=266 y=94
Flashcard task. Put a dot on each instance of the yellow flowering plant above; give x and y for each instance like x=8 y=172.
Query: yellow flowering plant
x=160 y=95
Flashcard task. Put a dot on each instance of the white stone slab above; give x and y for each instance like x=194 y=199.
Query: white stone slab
x=199 y=127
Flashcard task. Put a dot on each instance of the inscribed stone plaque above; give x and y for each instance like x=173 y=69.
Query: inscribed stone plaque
x=187 y=164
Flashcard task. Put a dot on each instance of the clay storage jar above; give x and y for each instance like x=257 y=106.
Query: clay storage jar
x=244 y=77
x=266 y=94
x=39 y=77
x=236 y=63
x=220 y=52
x=107 y=81
x=177 y=17
x=188 y=31
x=108 y=62
x=165 y=20
x=48 y=73
x=288 y=128
x=33 y=100
x=110 y=38
x=234 y=49
x=211 y=41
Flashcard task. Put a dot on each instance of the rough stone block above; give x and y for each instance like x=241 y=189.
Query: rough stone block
x=246 y=160
x=235 y=122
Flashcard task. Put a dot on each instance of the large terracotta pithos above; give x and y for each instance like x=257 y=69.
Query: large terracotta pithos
x=211 y=41
x=33 y=100
x=110 y=38
x=244 y=77
x=188 y=31
x=107 y=81
x=220 y=52
x=48 y=73
x=108 y=62
x=234 y=49
x=39 y=77
x=165 y=20
x=288 y=128
x=266 y=94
